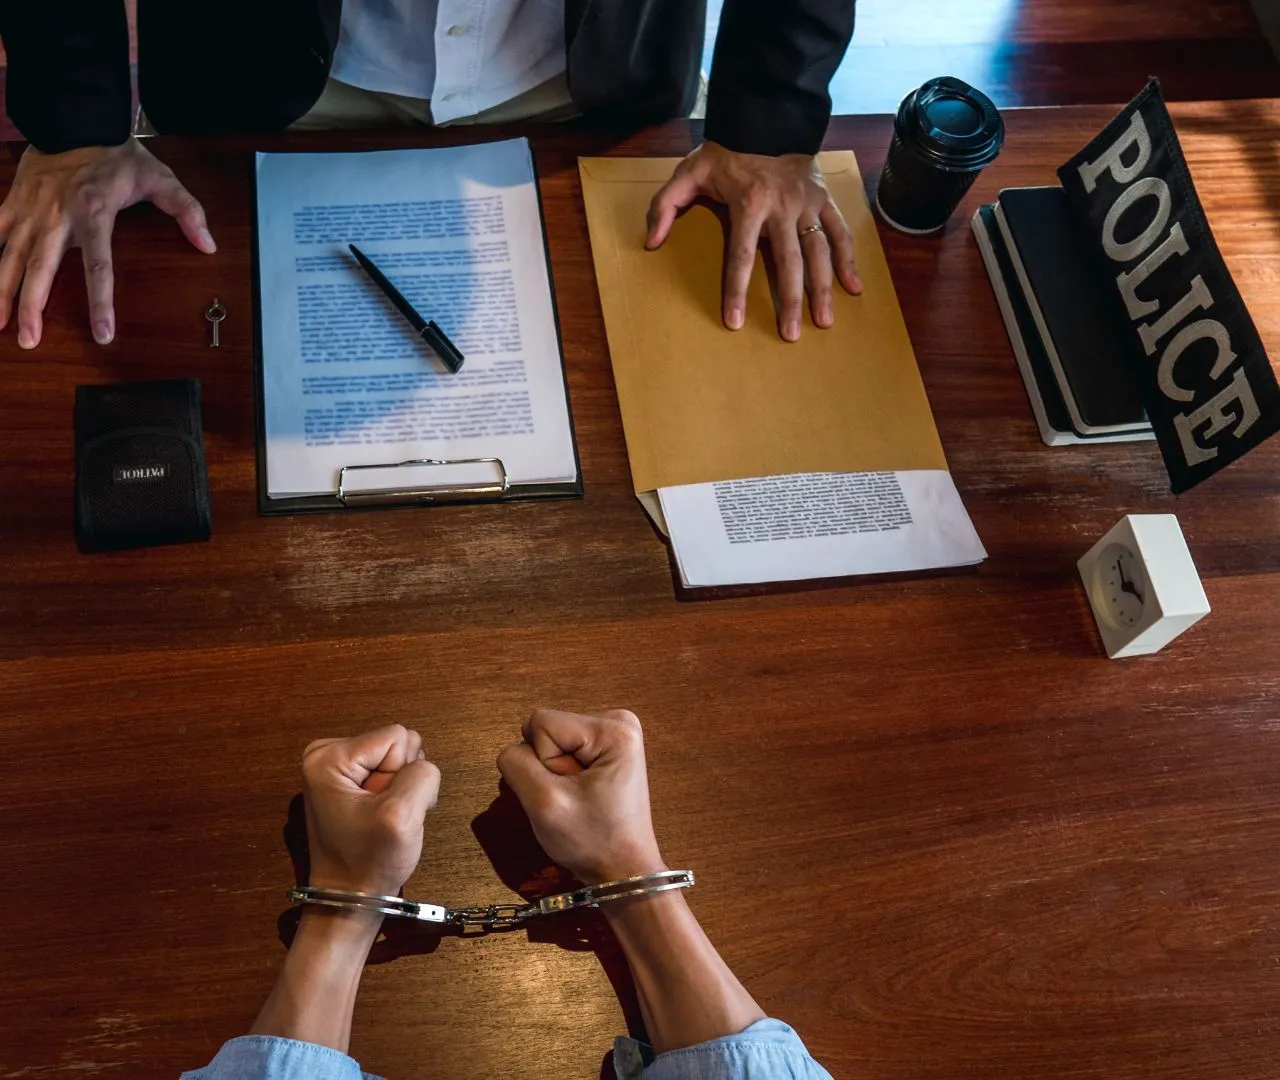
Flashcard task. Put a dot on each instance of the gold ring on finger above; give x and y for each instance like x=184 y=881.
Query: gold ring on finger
x=810 y=229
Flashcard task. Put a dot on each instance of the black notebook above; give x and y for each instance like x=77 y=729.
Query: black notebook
x=1047 y=403
x=1076 y=320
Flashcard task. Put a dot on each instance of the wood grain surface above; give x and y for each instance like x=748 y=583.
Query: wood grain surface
x=1055 y=52
x=934 y=828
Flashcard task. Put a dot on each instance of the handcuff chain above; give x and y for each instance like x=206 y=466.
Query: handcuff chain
x=495 y=916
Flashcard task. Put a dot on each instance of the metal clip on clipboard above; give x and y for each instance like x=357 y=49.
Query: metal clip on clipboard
x=411 y=494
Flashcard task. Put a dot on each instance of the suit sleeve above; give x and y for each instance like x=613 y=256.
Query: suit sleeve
x=68 y=71
x=773 y=62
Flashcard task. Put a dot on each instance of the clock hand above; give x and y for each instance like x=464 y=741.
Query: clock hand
x=1125 y=584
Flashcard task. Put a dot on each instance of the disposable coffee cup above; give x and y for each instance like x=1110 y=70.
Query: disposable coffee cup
x=945 y=133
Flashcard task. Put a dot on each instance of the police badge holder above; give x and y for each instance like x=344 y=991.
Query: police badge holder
x=141 y=479
x=1209 y=389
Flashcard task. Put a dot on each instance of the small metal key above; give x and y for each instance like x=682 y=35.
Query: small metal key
x=215 y=313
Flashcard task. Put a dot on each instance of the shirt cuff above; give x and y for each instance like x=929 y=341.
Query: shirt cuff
x=268 y=1057
x=767 y=1050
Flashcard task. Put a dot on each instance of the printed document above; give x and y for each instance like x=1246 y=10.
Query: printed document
x=346 y=379
x=818 y=525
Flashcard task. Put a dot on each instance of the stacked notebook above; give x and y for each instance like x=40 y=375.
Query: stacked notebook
x=1066 y=334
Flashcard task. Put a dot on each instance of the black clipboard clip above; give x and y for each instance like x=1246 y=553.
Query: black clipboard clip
x=419 y=494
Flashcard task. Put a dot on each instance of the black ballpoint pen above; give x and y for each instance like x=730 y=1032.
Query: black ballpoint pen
x=428 y=330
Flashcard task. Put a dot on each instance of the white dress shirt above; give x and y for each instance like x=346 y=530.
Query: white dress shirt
x=464 y=55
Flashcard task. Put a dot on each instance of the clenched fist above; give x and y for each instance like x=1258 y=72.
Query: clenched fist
x=366 y=799
x=582 y=781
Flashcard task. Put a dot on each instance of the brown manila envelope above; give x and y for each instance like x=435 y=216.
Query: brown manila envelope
x=701 y=403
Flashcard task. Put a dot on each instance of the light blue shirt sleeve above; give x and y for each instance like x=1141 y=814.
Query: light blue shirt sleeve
x=267 y=1057
x=767 y=1050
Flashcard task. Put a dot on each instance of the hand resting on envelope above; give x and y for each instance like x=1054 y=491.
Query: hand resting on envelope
x=777 y=199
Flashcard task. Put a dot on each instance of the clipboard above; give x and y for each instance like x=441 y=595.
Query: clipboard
x=349 y=496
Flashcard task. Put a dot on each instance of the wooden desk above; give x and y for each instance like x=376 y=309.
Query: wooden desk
x=934 y=828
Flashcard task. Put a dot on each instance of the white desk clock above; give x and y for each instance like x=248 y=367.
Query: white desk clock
x=1142 y=585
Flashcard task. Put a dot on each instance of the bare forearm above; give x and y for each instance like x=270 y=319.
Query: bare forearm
x=687 y=992
x=315 y=995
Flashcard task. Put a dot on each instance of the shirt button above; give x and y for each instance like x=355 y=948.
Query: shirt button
x=458 y=30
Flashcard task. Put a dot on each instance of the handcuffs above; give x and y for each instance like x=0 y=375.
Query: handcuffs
x=495 y=916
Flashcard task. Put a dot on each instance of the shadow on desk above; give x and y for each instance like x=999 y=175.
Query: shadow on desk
x=1258 y=138
x=505 y=834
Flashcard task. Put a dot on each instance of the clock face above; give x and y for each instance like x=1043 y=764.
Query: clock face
x=1120 y=586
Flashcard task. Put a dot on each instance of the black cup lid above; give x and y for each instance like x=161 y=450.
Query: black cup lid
x=953 y=124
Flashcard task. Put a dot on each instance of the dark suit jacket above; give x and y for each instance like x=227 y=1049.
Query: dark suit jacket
x=252 y=65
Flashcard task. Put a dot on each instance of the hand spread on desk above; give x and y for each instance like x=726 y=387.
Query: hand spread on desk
x=69 y=200
x=785 y=200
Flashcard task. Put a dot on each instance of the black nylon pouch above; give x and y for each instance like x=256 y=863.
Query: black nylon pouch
x=140 y=470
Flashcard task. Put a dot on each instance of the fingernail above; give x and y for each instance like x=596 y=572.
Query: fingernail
x=206 y=240
x=26 y=339
x=791 y=331
x=102 y=333
x=734 y=319
x=824 y=318
x=857 y=283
